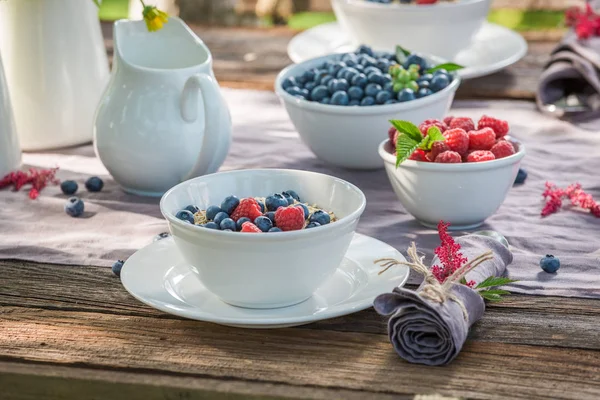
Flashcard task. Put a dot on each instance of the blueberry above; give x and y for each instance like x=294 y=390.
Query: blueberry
x=439 y=82
x=325 y=81
x=289 y=82
x=326 y=100
x=383 y=64
x=424 y=92
x=228 y=223
x=309 y=75
x=354 y=102
x=320 y=217
x=370 y=70
x=383 y=96
x=424 y=84
x=340 y=98
x=340 y=84
x=359 y=67
x=521 y=176
x=424 y=78
x=288 y=197
x=185 y=215
x=389 y=87
x=312 y=225
x=271 y=216
x=192 y=208
x=211 y=225
x=229 y=204
x=263 y=223
x=319 y=93
x=74 y=207
x=441 y=71
x=349 y=57
x=310 y=86
x=360 y=80
x=333 y=69
x=241 y=221
x=342 y=73
x=275 y=201
x=367 y=101
x=292 y=193
x=304 y=93
x=418 y=60
x=69 y=187
x=364 y=49
x=385 y=79
x=275 y=229
x=320 y=76
x=356 y=92
x=94 y=184
x=550 y=264
x=305 y=209
x=294 y=90
x=375 y=77
x=261 y=205
x=406 y=95
x=220 y=217
x=368 y=61
x=349 y=74
x=391 y=101
x=161 y=236
x=212 y=211
x=372 y=89
x=117 y=266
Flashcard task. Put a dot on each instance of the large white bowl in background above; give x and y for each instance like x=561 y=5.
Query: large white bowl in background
x=443 y=29
x=264 y=270
x=462 y=194
x=348 y=136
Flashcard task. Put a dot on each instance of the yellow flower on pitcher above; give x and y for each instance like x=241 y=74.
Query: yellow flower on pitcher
x=155 y=18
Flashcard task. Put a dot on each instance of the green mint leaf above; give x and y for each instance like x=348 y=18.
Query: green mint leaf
x=463 y=281
x=494 y=281
x=499 y=292
x=409 y=129
x=492 y=297
x=405 y=146
x=433 y=135
x=401 y=53
x=447 y=66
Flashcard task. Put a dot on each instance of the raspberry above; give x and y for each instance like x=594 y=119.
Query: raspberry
x=482 y=139
x=503 y=149
x=464 y=123
x=392 y=135
x=250 y=228
x=436 y=149
x=448 y=157
x=481 y=155
x=427 y=1
x=418 y=155
x=425 y=125
x=457 y=140
x=448 y=120
x=499 y=126
x=289 y=218
x=248 y=208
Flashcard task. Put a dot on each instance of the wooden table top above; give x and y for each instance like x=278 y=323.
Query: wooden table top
x=71 y=332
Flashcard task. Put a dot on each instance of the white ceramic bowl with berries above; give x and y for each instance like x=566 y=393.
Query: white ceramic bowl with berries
x=461 y=193
x=348 y=136
x=444 y=28
x=264 y=270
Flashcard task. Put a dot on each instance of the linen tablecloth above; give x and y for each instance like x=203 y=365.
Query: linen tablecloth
x=117 y=224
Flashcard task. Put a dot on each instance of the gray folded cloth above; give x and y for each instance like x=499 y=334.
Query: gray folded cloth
x=431 y=333
x=570 y=85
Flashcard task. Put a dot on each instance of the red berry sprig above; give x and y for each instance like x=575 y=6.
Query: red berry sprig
x=585 y=22
x=38 y=178
x=554 y=199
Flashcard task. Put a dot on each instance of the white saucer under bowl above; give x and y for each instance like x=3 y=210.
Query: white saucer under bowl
x=493 y=48
x=158 y=276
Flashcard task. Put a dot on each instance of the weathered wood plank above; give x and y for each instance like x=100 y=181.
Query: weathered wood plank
x=303 y=357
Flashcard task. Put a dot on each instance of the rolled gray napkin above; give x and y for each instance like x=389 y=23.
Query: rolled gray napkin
x=569 y=87
x=428 y=332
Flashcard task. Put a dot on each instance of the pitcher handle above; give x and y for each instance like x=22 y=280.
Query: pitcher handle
x=205 y=86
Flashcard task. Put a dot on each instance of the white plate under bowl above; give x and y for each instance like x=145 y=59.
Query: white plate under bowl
x=493 y=48
x=158 y=276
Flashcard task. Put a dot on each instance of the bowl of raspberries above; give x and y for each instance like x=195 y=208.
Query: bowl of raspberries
x=440 y=27
x=457 y=170
x=263 y=238
x=340 y=103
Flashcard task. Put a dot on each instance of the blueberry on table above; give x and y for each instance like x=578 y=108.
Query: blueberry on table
x=192 y=208
x=312 y=225
x=360 y=80
x=406 y=95
x=94 y=184
x=439 y=82
x=185 y=215
x=241 y=221
x=212 y=211
x=220 y=217
x=424 y=92
x=228 y=224
x=340 y=98
x=368 y=101
x=321 y=217
x=550 y=264
x=69 y=187
x=229 y=204
x=275 y=201
x=117 y=266
x=305 y=209
x=521 y=177
x=372 y=89
x=263 y=223
x=74 y=207
x=275 y=229
x=211 y=225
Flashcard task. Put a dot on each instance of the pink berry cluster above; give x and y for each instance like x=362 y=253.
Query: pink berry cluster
x=37 y=178
x=464 y=141
x=579 y=198
x=449 y=254
x=585 y=22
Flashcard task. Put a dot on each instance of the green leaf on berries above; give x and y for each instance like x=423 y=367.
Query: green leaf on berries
x=494 y=281
x=405 y=146
x=401 y=54
x=447 y=66
x=433 y=135
x=408 y=128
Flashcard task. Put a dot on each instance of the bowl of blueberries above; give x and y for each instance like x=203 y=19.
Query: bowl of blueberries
x=340 y=104
x=440 y=27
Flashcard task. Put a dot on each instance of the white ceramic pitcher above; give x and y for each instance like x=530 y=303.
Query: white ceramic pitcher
x=10 y=154
x=162 y=119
